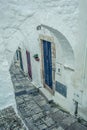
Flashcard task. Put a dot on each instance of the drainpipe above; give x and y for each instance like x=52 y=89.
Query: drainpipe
x=84 y=68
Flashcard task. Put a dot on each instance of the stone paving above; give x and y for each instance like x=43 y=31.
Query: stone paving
x=10 y=121
x=36 y=112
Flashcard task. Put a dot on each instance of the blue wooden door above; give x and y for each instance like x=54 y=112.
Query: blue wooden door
x=29 y=64
x=47 y=63
x=21 y=62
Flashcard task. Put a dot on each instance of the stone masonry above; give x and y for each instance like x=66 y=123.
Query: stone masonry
x=38 y=113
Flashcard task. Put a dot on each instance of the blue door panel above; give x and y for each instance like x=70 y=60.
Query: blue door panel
x=47 y=63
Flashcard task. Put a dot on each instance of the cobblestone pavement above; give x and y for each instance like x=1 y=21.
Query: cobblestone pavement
x=36 y=112
x=9 y=120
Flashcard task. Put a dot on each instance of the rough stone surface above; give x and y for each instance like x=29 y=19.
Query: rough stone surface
x=36 y=111
x=10 y=121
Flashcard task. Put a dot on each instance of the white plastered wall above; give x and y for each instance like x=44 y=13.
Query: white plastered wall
x=64 y=19
x=6 y=87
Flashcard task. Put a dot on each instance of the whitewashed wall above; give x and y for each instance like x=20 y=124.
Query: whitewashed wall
x=54 y=16
x=6 y=87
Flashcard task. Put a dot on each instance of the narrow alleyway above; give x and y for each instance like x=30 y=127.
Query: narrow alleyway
x=36 y=112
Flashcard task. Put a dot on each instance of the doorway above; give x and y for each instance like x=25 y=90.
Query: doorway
x=47 y=59
x=29 y=64
x=20 y=58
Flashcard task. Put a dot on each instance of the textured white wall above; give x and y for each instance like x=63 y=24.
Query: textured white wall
x=82 y=57
x=6 y=87
x=18 y=28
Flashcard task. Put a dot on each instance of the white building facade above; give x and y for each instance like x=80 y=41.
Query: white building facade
x=53 y=49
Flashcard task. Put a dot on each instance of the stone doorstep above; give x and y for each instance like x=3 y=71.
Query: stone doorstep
x=25 y=96
x=19 y=93
x=39 y=97
x=19 y=97
x=33 y=92
x=28 y=89
x=19 y=87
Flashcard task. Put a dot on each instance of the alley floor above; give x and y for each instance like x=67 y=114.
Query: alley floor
x=9 y=120
x=36 y=112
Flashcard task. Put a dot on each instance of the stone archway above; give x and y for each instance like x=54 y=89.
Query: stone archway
x=67 y=65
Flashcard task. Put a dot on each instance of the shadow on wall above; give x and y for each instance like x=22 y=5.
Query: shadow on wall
x=67 y=49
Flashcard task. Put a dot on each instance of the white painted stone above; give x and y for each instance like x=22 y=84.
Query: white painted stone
x=61 y=20
x=6 y=87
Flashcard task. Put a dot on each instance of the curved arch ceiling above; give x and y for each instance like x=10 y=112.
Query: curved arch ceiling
x=67 y=49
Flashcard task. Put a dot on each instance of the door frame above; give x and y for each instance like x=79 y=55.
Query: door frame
x=53 y=53
x=20 y=58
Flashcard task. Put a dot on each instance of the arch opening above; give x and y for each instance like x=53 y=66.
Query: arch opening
x=68 y=53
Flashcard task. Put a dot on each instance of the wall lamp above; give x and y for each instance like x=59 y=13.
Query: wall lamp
x=38 y=27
